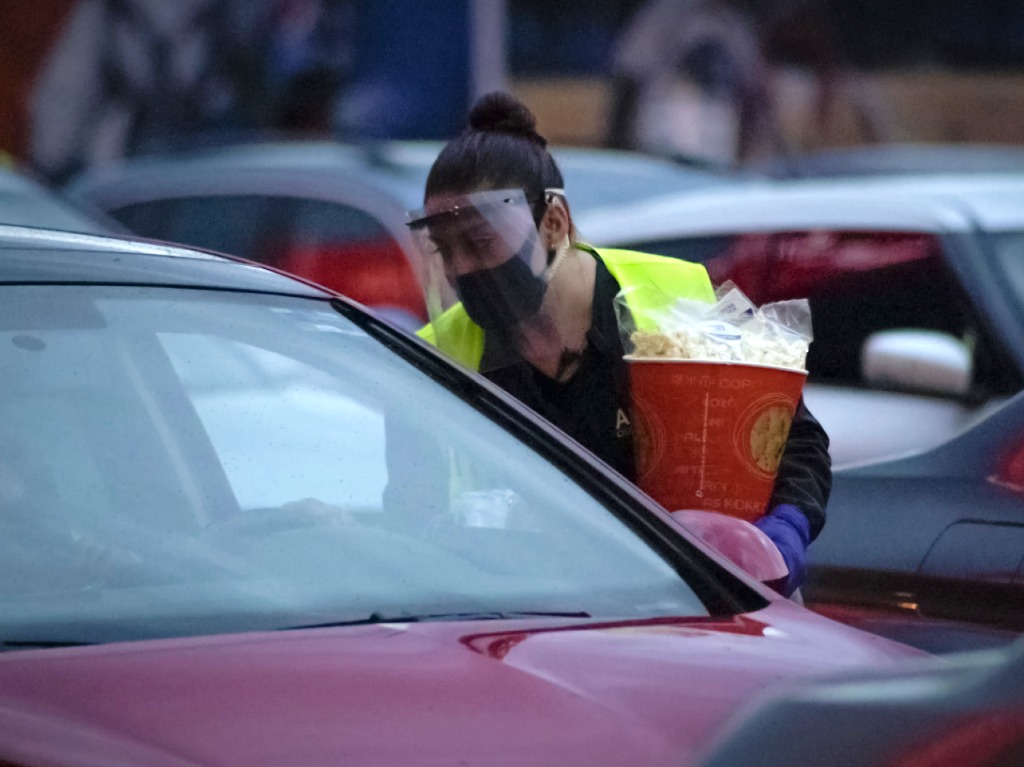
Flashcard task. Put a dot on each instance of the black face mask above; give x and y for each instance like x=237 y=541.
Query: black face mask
x=501 y=297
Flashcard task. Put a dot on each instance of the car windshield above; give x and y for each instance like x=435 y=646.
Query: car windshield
x=180 y=462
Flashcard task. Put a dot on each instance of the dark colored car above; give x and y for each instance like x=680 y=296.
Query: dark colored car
x=916 y=290
x=965 y=712
x=233 y=534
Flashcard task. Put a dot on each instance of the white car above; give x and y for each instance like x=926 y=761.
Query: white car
x=916 y=287
x=915 y=284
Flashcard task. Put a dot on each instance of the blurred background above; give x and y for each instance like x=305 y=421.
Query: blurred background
x=164 y=118
x=86 y=81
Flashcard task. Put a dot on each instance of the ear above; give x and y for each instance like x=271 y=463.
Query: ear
x=556 y=224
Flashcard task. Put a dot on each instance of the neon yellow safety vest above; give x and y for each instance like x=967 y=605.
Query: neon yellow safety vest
x=454 y=333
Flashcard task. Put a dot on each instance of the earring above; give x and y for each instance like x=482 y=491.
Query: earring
x=560 y=253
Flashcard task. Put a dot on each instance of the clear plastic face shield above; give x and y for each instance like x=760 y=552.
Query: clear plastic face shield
x=483 y=249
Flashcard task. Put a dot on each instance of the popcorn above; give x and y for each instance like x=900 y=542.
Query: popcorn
x=693 y=345
x=712 y=425
x=730 y=330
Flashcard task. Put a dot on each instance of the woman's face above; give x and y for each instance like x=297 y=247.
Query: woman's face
x=486 y=246
x=472 y=235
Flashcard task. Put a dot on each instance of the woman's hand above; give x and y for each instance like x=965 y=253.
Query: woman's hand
x=789 y=530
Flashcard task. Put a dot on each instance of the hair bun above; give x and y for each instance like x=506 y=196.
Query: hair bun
x=501 y=112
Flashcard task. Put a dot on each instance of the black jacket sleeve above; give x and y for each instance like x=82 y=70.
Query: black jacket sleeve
x=805 y=472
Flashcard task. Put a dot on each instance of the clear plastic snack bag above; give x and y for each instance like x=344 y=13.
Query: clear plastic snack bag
x=732 y=329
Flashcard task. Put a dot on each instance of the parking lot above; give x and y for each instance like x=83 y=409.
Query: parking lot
x=388 y=384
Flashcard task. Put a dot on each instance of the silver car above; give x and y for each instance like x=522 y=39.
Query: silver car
x=330 y=212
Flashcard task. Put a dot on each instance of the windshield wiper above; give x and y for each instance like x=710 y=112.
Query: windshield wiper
x=378 y=617
x=38 y=644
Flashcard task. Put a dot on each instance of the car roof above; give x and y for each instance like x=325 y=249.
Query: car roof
x=899 y=158
x=42 y=256
x=292 y=166
x=593 y=177
x=931 y=203
x=26 y=202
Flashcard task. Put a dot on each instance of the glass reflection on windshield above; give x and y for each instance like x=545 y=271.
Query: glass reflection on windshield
x=182 y=462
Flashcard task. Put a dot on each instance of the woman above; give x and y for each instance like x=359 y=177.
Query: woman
x=536 y=309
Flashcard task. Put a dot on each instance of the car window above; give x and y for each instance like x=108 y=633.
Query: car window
x=315 y=420
x=351 y=252
x=330 y=243
x=182 y=462
x=228 y=224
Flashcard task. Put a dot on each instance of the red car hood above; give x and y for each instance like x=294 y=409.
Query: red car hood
x=481 y=693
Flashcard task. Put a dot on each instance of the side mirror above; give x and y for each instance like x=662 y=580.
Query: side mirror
x=737 y=540
x=916 y=360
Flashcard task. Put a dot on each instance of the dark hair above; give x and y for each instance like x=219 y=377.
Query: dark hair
x=499 y=149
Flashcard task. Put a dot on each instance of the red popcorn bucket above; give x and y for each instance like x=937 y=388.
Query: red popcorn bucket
x=710 y=435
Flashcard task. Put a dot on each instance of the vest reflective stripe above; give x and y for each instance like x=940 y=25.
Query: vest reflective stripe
x=463 y=340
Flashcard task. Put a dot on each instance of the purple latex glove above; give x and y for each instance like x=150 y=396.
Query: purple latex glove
x=790 y=531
